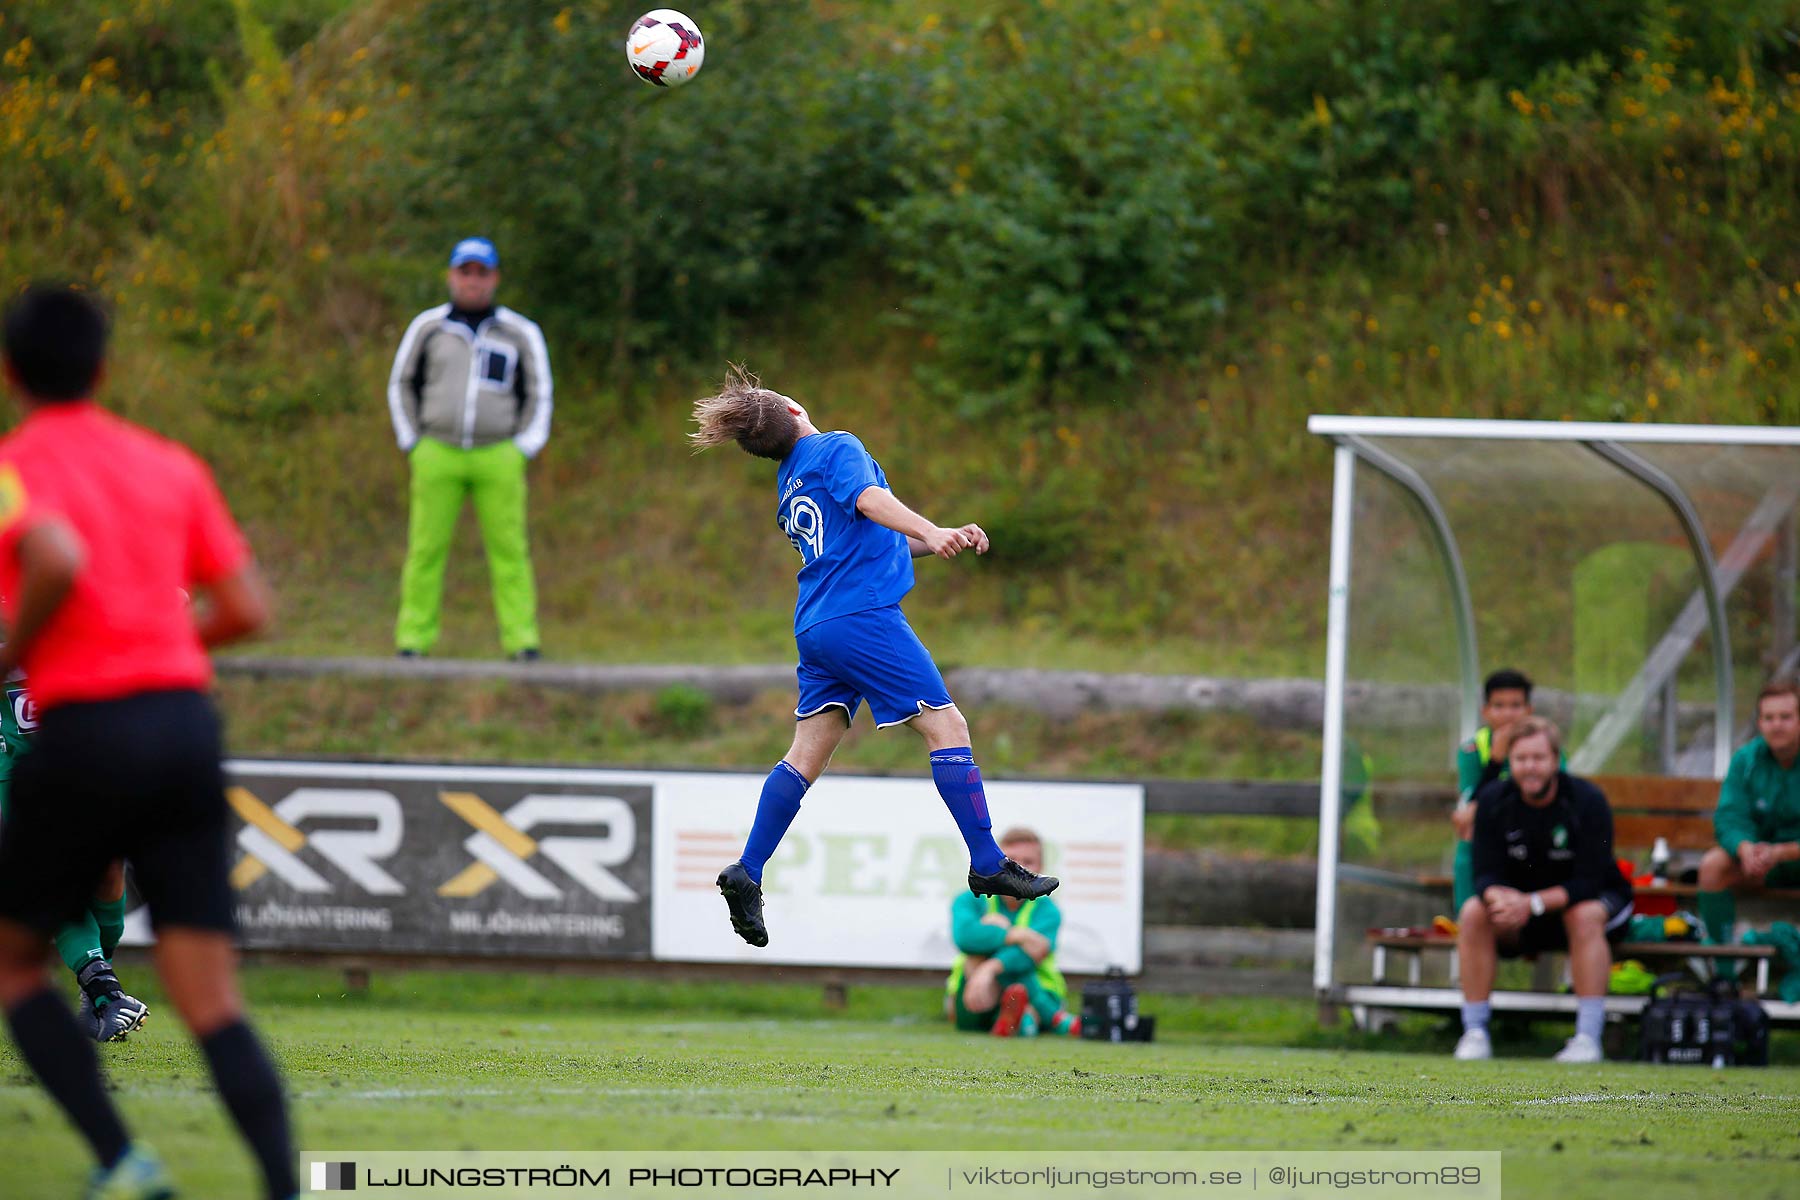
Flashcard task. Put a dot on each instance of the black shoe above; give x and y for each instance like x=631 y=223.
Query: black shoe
x=528 y=654
x=1012 y=880
x=125 y=1015
x=743 y=896
x=406 y=654
x=118 y=1014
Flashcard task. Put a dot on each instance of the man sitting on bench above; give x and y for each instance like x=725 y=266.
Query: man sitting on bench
x=1758 y=821
x=1545 y=879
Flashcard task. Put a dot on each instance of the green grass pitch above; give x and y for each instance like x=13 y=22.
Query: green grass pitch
x=431 y=1061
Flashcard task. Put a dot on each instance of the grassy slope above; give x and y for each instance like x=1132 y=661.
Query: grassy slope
x=645 y=553
x=1179 y=527
x=485 y=1062
x=1170 y=522
x=1173 y=521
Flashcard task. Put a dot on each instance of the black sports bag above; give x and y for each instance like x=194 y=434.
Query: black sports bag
x=1711 y=1027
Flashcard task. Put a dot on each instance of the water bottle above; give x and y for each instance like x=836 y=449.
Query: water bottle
x=1659 y=862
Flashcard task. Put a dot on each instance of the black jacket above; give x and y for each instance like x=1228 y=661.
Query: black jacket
x=1567 y=843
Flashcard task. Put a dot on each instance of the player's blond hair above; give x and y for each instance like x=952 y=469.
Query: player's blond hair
x=1542 y=727
x=745 y=412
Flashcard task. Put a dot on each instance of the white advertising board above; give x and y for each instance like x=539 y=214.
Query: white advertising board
x=866 y=874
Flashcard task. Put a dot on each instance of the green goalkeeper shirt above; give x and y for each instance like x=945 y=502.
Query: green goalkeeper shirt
x=1759 y=800
x=1472 y=758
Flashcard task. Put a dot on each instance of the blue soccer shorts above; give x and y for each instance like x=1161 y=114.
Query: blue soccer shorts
x=873 y=656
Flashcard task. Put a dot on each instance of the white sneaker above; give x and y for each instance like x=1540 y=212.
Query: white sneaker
x=1580 y=1049
x=1474 y=1045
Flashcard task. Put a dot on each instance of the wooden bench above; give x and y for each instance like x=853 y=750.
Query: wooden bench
x=1647 y=807
x=1412 y=947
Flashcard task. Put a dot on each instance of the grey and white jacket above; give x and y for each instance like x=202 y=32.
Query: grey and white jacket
x=471 y=386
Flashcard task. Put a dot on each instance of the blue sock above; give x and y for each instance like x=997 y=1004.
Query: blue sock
x=1475 y=1014
x=1590 y=1016
x=958 y=781
x=774 y=813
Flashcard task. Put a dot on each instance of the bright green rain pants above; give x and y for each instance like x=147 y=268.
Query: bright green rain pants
x=442 y=477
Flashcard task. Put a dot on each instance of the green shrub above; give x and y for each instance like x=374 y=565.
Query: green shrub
x=1063 y=214
x=101 y=118
x=272 y=281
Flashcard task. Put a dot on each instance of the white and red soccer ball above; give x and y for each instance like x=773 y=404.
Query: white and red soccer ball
x=665 y=48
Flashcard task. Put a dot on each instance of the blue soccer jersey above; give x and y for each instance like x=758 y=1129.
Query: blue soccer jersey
x=850 y=564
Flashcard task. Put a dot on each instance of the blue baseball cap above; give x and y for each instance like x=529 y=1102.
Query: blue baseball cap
x=475 y=249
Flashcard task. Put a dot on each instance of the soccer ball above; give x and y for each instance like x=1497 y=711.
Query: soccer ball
x=665 y=48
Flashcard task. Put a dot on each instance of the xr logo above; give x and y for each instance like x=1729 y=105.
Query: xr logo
x=502 y=845
x=271 y=839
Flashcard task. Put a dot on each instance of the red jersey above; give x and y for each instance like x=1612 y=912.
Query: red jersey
x=152 y=524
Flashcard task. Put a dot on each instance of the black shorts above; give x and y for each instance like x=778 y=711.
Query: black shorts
x=1548 y=933
x=137 y=778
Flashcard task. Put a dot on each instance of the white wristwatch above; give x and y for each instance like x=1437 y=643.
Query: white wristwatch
x=1537 y=904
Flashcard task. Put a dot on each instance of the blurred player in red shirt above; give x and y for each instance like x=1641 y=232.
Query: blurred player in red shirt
x=104 y=529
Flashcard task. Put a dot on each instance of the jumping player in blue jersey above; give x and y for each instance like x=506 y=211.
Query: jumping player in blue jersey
x=856 y=544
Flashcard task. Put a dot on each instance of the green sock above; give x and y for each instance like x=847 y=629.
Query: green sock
x=1462 y=875
x=1045 y=1004
x=79 y=943
x=1063 y=1023
x=1718 y=912
x=109 y=919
